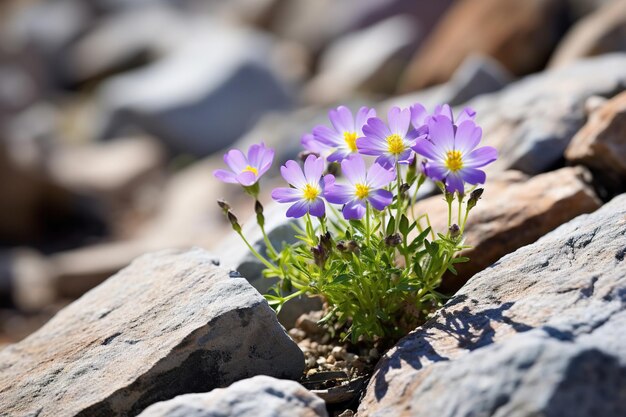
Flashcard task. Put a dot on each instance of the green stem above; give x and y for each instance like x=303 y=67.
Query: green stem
x=268 y=243
x=368 y=231
x=398 y=201
x=265 y=262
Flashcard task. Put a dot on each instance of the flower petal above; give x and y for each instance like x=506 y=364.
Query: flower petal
x=353 y=169
x=235 y=160
x=354 y=210
x=246 y=178
x=426 y=148
x=467 y=137
x=435 y=171
x=317 y=207
x=371 y=146
x=386 y=160
x=454 y=183
x=286 y=194
x=444 y=110
x=313 y=169
x=327 y=136
x=342 y=119
x=379 y=199
x=292 y=173
x=441 y=133
x=418 y=115
x=480 y=157
x=399 y=120
x=339 y=194
x=473 y=176
x=339 y=155
x=376 y=128
x=378 y=177
x=466 y=114
x=226 y=176
x=298 y=209
x=362 y=117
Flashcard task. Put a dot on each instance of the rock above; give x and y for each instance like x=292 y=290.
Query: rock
x=514 y=211
x=538 y=333
x=114 y=172
x=234 y=255
x=169 y=324
x=520 y=35
x=601 y=144
x=602 y=32
x=260 y=396
x=369 y=59
x=197 y=99
x=478 y=75
x=315 y=24
x=532 y=120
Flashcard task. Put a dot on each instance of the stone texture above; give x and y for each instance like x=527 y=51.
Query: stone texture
x=260 y=396
x=601 y=32
x=538 y=333
x=601 y=144
x=365 y=60
x=171 y=323
x=514 y=211
x=477 y=75
x=205 y=82
x=522 y=44
x=532 y=121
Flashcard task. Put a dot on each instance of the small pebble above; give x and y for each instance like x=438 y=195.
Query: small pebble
x=330 y=359
x=321 y=360
x=310 y=362
x=337 y=352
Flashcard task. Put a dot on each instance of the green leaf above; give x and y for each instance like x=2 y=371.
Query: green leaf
x=391 y=225
x=404 y=225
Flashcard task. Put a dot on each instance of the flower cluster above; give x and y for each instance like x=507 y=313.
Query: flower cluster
x=367 y=235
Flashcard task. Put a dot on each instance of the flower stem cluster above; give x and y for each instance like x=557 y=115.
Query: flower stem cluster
x=362 y=248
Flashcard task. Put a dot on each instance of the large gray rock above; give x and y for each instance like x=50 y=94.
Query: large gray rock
x=532 y=121
x=566 y=291
x=204 y=95
x=260 y=396
x=171 y=323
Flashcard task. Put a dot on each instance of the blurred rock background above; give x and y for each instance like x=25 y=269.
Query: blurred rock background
x=113 y=113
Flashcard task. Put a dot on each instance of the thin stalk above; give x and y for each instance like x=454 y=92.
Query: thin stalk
x=265 y=262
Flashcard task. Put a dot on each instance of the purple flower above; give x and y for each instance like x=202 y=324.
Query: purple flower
x=345 y=133
x=451 y=153
x=246 y=170
x=309 y=143
x=420 y=116
x=365 y=186
x=308 y=190
x=390 y=143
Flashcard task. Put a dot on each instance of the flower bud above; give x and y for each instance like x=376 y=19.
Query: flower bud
x=341 y=246
x=223 y=205
x=326 y=242
x=258 y=207
x=455 y=231
x=474 y=197
x=233 y=221
x=393 y=240
x=333 y=169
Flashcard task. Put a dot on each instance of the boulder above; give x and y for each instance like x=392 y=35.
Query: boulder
x=601 y=144
x=477 y=75
x=521 y=35
x=537 y=333
x=260 y=396
x=198 y=98
x=601 y=32
x=515 y=210
x=171 y=323
x=366 y=60
x=532 y=121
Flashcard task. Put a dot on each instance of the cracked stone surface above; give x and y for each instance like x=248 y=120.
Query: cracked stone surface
x=540 y=332
x=171 y=323
x=260 y=396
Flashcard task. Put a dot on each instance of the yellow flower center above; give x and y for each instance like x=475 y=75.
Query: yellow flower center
x=454 y=160
x=350 y=138
x=251 y=169
x=361 y=190
x=310 y=192
x=395 y=145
